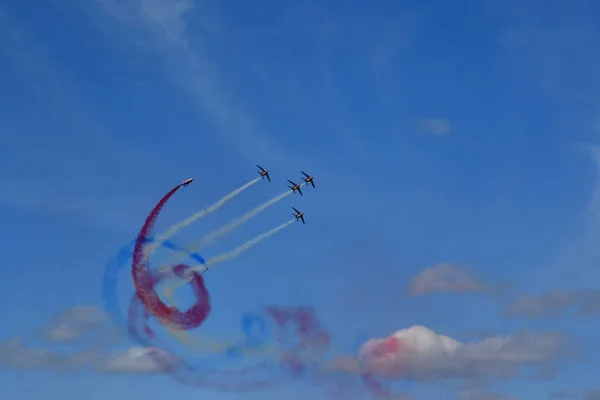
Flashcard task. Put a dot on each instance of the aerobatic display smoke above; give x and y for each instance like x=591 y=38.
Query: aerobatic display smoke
x=237 y=223
x=203 y=212
x=204 y=266
x=145 y=286
x=246 y=246
x=279 y=343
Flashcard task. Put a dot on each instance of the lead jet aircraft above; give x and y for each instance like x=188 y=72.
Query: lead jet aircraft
x=295 y=187
x=263 y=172
x=299 y=215
x=308 y=178
x=187 y=181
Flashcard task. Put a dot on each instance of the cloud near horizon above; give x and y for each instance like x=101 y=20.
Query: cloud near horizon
x=478 y=394
x=418 y=353
x=134 y=360
x=73 y=326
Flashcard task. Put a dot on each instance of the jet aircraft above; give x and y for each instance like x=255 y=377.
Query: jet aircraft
x=299 y=215
x=295 y=187
x=308 y=178
x=263 y=172
x=187 y=181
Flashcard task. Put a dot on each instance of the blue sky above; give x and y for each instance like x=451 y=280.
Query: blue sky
x=439 y=134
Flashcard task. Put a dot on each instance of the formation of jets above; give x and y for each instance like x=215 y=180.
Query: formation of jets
x=264 y=173
x=307 y=179
x=294 y=186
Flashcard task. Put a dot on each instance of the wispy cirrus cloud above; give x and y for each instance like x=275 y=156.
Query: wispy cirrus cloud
x=76 y=204
x=78 y=161
x=162 y=26
x=195 y=43
x=553 y=47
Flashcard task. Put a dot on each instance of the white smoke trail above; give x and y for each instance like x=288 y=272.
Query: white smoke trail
x=183 y=253
x=242 y=248
x=170 y=291
x=236 y=223
x=205 y=211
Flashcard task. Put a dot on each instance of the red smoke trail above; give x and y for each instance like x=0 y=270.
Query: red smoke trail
x=145 y=284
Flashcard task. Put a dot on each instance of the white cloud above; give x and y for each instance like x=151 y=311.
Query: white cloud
x=434 y=126
x=14 y=355
x=593 y=206
x=483 y=395
x=552 y=303
x=444 y=277
x=555 y=303
x=562 y=395
x=420 y=353
x=593 y=394
x=137 y=360
x=72 y=324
